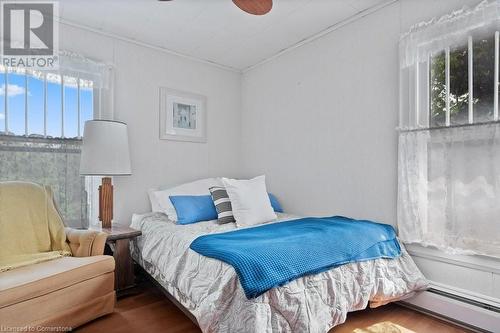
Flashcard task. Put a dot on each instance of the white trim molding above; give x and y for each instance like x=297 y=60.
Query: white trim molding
x=477 y=262
x=307 y=40
x=323 y=32
x=464 y=298
x=456 y=311
x=144 y=44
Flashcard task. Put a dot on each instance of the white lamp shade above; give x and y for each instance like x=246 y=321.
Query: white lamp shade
x=105 y=150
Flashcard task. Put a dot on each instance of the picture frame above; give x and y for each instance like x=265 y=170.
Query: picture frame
x=183 y=116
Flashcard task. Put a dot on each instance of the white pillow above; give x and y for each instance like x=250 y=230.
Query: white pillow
x=155 y=205
x=198 y=187
x=250 y=201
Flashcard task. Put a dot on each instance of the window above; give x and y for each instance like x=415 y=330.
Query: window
x=49 y=105
x=467 y=72
x=41 y=125
x=449 y=132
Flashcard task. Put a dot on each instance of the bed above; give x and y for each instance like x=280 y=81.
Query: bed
x=210 y=290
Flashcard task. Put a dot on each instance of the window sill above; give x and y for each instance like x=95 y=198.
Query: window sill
x=488 y=265
x=478 y=262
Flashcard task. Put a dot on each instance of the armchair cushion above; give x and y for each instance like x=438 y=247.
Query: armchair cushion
x=85 y=243
x=64 y=292
x=33 y=281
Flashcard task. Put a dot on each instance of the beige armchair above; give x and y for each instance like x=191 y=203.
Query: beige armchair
x=64 y=292
x=85 y=243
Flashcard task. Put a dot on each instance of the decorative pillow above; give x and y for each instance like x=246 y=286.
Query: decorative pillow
x=222 y=204
x=155 y=205
x=275 y=203
x=193 y=208
x=249 y=200
x=199 y=187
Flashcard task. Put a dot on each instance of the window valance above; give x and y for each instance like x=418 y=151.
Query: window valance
x=77 y=65
x=426 y=38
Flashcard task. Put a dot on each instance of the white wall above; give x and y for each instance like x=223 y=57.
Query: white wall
x=139 y=72
x=320 y=122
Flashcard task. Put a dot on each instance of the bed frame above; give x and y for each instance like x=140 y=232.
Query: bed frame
x=143 y=273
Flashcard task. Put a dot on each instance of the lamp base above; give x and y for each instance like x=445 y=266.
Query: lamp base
x=106 y=202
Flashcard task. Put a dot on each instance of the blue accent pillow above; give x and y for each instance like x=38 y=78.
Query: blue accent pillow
x=193 y=208
x=275 y=203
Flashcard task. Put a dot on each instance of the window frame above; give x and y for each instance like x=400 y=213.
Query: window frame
x=428 y=93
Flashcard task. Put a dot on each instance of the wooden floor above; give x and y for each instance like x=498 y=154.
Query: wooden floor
x=150 y=311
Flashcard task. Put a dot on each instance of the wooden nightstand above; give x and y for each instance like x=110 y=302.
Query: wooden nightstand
x=118 y=244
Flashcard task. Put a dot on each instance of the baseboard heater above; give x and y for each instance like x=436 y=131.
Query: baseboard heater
x=466 y=300
x=471 y=314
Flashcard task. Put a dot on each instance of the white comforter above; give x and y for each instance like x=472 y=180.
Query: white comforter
x=211 y=291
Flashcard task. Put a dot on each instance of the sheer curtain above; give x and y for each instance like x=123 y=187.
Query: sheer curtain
x=449 y=171
x=449 y=188
x=439 y=33
x=100 y=73
x=54 y=162
x=53 y=159
x=102 y=76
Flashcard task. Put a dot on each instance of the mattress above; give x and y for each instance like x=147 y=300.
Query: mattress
x=211 y=291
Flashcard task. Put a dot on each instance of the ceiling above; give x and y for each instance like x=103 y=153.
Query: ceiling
x=213 y=30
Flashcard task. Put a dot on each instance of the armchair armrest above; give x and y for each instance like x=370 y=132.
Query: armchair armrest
x=85 y=243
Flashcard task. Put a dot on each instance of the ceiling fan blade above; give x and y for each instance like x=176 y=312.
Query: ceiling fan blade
x=255 y=7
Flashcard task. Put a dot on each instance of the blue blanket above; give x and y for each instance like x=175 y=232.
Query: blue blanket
x=271 y=255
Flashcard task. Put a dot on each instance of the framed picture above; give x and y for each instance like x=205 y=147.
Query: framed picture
x=183 y=116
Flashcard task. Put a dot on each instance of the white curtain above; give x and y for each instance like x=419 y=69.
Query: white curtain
x=439 y=33
x=77 y=65
x=54 y=162
x=427 y=39
x=101 y=74
x=449 y=175
x=449 y=188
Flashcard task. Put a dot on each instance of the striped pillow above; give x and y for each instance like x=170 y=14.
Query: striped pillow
x=222 y=204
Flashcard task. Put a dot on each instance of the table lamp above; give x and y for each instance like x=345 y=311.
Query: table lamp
x=105 y=152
